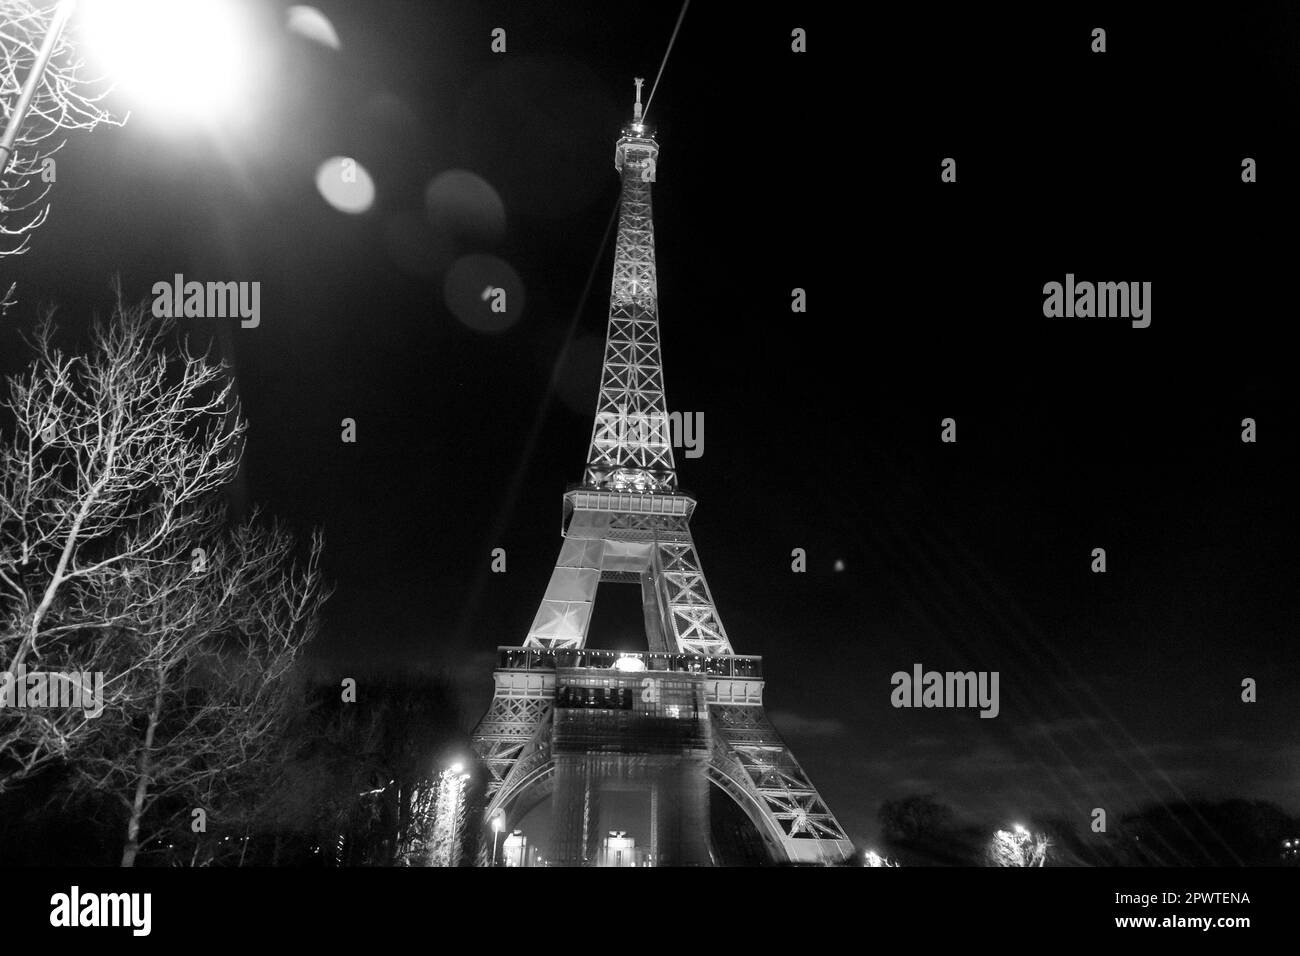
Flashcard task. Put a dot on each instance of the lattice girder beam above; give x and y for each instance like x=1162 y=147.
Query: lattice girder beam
x=751 y=754
x=631 y=444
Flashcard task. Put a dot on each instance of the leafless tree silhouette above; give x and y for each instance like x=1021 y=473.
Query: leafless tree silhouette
x=66 y=98
x=210 y=651
x=1018 y=847
x=115 y=557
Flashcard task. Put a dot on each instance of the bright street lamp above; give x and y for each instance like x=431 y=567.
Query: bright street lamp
x=171 y=59
x=497 y=826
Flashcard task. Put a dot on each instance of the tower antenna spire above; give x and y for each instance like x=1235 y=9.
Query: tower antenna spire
x=636 y=108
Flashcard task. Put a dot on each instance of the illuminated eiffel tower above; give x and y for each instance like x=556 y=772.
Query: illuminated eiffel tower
x=587 y=726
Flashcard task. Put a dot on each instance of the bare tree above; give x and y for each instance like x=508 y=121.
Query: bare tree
x=65 y=98
x=1018 y=847
x=210 y=651
x=110 y=461
x=418 y=835
x=116 y=558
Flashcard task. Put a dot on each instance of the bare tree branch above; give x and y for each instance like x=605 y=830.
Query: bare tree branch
x=66 y=99
x=116 y=559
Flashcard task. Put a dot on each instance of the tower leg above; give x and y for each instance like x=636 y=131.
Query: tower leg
x=753 y=764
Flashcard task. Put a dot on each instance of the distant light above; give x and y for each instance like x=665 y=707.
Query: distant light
x=630 y=663
x=170 y=60
x=457 y=767
x=463 y=293
x=345 y=185
x=839 y=564
x=310 y=23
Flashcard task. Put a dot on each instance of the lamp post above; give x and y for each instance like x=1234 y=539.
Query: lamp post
x=33 y=80
x=497 y=827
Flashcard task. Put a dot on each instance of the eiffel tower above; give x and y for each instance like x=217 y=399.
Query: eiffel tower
x=581 y=725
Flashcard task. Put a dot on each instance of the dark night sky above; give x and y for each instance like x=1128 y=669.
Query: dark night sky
x=821 y=430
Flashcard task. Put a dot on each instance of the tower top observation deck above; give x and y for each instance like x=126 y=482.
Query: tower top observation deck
x=637 y=143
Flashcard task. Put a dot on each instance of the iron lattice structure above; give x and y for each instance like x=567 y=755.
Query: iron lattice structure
x=631 y=440
x=628 y=522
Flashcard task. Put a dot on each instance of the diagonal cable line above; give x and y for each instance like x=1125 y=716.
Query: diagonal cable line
x=664 y=62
